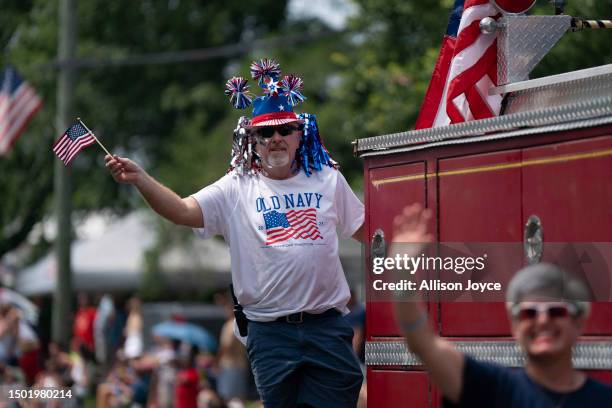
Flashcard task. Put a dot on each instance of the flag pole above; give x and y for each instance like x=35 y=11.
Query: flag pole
x=94 y=136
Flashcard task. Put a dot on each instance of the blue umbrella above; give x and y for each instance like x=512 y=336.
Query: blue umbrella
x=187 y=332
x=29 y=309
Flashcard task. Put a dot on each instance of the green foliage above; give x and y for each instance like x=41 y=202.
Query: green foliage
x=149 y=112
x=152 y=282
x=26 y=179
x=582 y=49
x=386 y=63
x=387 y=72
x=174 y=119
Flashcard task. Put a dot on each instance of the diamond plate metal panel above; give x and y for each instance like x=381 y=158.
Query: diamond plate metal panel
x=560 y=94
x=516 y=133
x=523 y=41
x=574 y=112
x=588 y=355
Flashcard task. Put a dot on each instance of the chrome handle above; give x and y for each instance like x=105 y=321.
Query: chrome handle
x=533 y=243
x=378 y=246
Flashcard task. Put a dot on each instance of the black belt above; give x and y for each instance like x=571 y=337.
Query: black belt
x=301 y=317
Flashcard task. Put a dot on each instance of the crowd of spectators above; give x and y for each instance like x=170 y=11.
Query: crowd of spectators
x=108 y=365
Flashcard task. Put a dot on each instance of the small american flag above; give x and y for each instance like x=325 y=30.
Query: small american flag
x=465 y=71
x=18 y=104
x=75 y=139
x=293 y=224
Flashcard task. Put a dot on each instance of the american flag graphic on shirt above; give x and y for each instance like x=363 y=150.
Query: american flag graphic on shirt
x=292 y=224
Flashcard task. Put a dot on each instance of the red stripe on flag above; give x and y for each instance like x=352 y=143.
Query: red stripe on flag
x=492 y=72
x=431 y=103
x=19 y=124
x=61 y=145
x=471 y=75
x=302 y=225
x=19 y=110
x=466 y=80
x=479 y=108
x=16 y=111
x=472 y=3
x=468 y=36
x=90 y=140
x=76 y=145
x=457 y=77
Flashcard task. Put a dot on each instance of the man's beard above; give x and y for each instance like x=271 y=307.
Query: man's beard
x=277 y=159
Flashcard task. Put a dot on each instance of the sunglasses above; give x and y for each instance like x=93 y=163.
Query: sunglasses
x=553 y=310
x=267 y=132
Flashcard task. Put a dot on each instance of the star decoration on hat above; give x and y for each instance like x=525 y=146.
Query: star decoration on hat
x=272 y=87
x=274 y=108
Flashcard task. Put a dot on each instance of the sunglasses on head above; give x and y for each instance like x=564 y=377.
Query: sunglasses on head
x=267 y=132
x=553 y=310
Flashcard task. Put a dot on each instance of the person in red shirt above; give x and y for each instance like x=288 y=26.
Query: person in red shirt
x=187 y=380
x=84 y=319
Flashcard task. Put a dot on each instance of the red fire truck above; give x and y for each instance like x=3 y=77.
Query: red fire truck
x=540 y=173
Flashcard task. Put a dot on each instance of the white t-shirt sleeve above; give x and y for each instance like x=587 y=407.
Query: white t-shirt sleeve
x=349 y=209
x=213 y=201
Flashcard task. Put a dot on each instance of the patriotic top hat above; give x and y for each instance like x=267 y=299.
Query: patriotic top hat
x=281 y=94
x=274 y=108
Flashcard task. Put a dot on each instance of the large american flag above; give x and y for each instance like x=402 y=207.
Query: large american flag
x=292 y=224
x=75 y=139
x=465 y=71
x=18 y=104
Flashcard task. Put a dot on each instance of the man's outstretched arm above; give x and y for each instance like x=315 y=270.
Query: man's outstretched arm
x=165 y=202
x=441 y=358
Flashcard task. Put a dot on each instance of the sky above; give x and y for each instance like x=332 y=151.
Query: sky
x=333 y=12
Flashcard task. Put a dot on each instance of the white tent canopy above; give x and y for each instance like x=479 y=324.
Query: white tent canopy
x=114 y=261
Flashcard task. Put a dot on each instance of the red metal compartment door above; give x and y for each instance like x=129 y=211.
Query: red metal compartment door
x=569 y=187
x=390 y=189
x=387 y=388
x=479 y=201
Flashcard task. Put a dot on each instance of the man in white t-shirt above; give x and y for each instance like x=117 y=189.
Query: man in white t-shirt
x=279 y=208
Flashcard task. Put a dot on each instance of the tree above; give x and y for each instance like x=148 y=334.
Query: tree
x=148 y=110
x=386 y=70
x=578 y=50
x=384 y=75
x=368 y=80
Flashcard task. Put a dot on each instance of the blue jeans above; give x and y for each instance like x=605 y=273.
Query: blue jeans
x=305 y=363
